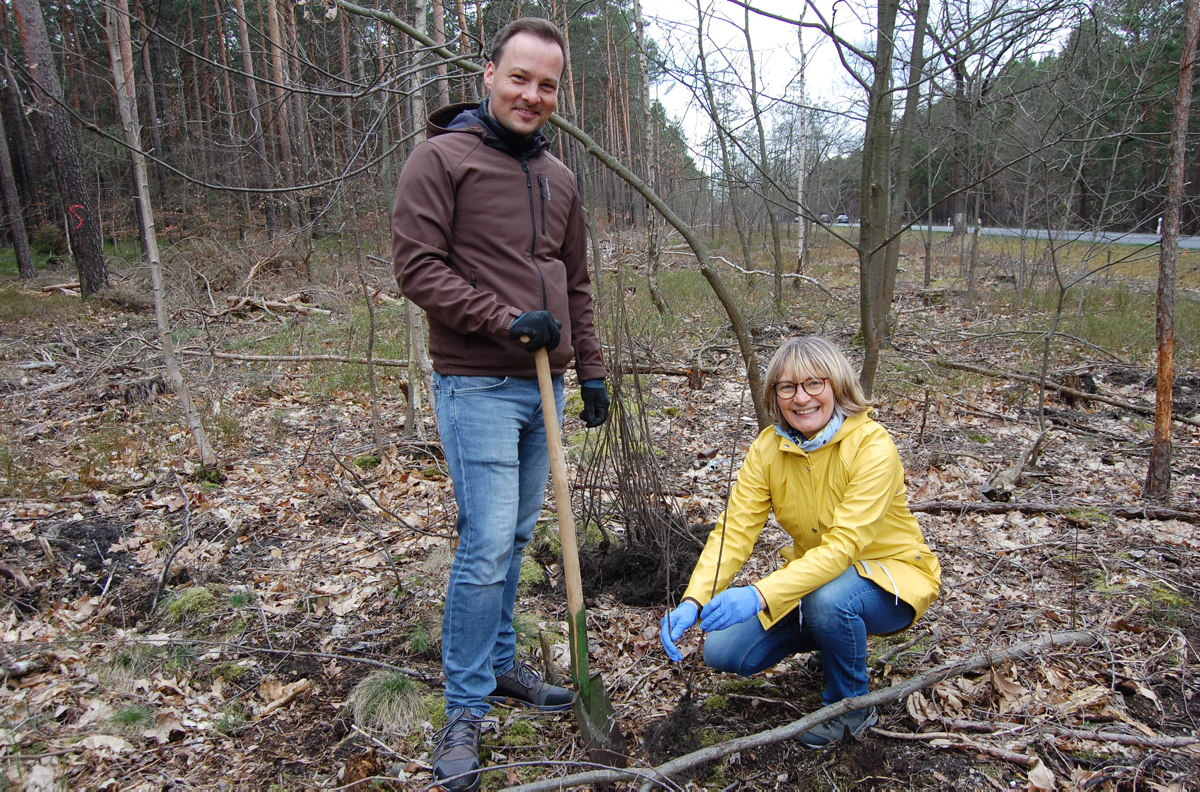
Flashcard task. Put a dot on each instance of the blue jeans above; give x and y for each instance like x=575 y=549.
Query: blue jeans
x=837 y=619
x=494 y=440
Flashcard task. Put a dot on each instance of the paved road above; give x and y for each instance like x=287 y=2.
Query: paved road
x=1116 y=237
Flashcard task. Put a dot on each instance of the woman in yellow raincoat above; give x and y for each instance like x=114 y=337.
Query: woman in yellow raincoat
x=857 y=564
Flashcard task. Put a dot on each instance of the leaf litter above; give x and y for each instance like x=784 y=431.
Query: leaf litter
x=317 y=572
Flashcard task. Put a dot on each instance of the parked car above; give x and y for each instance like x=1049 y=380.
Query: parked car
x=842 y=219
x=824 y=217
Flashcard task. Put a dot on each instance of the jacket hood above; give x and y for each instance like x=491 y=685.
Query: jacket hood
x=473 y=118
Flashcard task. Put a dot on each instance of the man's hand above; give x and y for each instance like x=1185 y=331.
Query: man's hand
x=595 y=403
x=674 y=625
x=730 y=607
x=540 y=327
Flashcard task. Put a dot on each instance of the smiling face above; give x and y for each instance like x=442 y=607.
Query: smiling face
x=804 y=412
x=523 y=86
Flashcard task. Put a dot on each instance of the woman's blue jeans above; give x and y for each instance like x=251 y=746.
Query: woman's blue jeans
x=494 y=440
x=837 y=619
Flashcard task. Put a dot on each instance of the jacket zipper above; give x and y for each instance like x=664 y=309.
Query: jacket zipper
x=533 y=229
x=544 y=189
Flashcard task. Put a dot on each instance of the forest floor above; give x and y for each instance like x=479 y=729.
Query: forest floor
x=165 y=628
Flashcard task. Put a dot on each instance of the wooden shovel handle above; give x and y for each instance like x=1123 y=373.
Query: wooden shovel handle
x=562 y=491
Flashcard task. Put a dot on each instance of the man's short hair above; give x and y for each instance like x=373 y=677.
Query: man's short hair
x=542 y=28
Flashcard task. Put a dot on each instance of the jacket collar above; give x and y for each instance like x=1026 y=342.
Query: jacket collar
x=474 y=118
x=849 y=425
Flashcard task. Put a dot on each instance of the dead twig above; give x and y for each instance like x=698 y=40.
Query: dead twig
x=1127 y=512
x=1012 y=375
x=952 y=740
x=362 y=361
x=1136 y=740
x=794 y=729
x=187 y=537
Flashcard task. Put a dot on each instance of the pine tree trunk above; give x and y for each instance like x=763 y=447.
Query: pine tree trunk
x=18 y=145
x=12 y=210
x=1158 y=475
x=82 y=225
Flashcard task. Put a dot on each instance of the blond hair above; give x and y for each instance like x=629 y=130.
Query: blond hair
x=816 y=357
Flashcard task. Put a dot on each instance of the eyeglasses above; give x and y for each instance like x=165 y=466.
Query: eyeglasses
x=813 y=387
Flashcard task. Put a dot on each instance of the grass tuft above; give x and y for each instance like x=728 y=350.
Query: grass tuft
x=389 y=701
x=191 y=603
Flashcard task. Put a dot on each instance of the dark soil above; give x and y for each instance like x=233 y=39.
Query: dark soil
x=637 y=575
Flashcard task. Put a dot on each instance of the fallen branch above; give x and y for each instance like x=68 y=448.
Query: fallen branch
x=17 y=576
x=794 y=729
x=69 y=289
x=745 y=271
x=1012 y=375
x=1136 y=740
x=292 y=303
x=953 y=740
x=1127 y=512
x=296 y=358
x=10 y=668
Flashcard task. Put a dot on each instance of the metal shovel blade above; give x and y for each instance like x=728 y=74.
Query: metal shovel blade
x=602 y=736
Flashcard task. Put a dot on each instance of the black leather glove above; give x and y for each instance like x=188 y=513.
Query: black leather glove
x=595 y=403
x=540 y=327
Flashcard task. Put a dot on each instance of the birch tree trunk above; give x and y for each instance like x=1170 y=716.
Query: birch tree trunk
x=418 y=361
x=718 y=132
x=121 y=53
x=650 y=149
x=766 y=183
x=257 y=133
x=801 y=152
x=1158 y=475
x=279 y=76
x=902 y=168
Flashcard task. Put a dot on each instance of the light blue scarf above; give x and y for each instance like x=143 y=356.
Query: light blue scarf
x=820 y=438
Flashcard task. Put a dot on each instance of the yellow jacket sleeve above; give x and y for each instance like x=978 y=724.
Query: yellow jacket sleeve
x=732 y=539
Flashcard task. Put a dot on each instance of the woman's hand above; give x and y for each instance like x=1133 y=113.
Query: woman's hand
x=730 y=607
x=675 y=624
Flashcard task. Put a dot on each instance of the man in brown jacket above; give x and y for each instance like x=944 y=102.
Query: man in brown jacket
x=488 y=238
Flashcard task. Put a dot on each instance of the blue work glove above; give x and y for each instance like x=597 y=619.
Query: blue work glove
x=539 y=327
x=595 y=403
x=674 y=625
x=730 y=607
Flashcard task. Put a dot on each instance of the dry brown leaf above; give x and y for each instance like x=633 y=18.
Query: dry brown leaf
x=1042 y=778
x=169 y=729
x=278 y=695
x=106 y=743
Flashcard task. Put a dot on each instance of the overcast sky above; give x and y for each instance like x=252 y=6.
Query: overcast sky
x=673 y=22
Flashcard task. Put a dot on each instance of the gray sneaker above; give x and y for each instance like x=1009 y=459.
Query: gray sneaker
x=852 y=724
x=522 y=684
x=456 y=758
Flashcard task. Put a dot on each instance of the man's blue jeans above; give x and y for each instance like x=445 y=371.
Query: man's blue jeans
x=494 y=440
x=837 y=619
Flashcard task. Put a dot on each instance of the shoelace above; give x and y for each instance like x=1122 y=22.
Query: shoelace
x=527 y=676
x=458 y=731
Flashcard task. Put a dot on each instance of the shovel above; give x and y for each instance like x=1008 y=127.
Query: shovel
x=593 y=711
